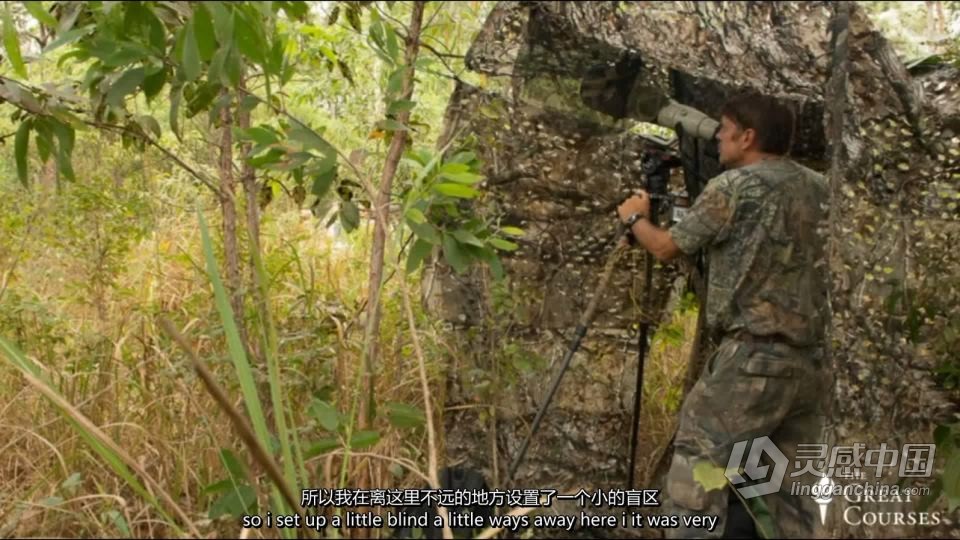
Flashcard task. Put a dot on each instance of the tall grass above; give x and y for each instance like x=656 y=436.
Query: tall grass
x=139 y=444
x=108 y=431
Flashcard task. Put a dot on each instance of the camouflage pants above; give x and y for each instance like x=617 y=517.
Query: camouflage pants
x=749 y=390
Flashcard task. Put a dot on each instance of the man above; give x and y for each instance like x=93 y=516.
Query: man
x=758 y=224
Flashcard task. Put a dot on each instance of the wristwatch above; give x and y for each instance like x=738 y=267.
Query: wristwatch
x=634 y=217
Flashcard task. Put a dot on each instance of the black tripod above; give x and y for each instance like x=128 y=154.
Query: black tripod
x=656 y=166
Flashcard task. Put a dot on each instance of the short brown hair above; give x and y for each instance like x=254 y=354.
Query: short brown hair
x=772 y=120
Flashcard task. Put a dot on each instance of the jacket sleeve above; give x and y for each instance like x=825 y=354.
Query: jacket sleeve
x=709 y=217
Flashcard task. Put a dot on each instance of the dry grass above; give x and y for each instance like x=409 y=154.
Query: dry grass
x=663 y=387
x=107 y=357
x=131 y=381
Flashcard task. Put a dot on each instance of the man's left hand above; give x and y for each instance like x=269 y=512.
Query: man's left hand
x=638 y=203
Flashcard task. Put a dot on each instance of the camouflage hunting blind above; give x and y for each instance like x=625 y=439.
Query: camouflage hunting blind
x=553 y=126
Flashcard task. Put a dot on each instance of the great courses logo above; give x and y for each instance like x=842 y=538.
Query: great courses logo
x=868 y=503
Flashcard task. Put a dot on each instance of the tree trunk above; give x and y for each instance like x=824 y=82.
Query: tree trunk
x=382 y=223
x=228 y=208
x=251 y=191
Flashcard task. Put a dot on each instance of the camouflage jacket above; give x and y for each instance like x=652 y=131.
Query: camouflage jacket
x=760 y=227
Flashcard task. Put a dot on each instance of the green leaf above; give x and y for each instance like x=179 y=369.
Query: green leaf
x=236 y=502
x=425 y=231
x=39 y=13
x=324 y=174
x=204 y=33
x=51 y=501
x=512 y=231
x=454 y=167
x=126 y=84
x=274 y=155
x=116 y=518
x=233 y=65
x=353 y=17
x=402 y=415
x=505 y=245
x=275 y=59
x=69 y=37
x=456 y=190
x=113 y=54
x=942 y=436
x=454 y=255
x=415 y=215
x=401 y=105
x=321 y=447
x=310 y=139
x=349 y=216
x=156 y=34
x=951 y=478
x=465 y=237
x=295 y=10
x=215 y=72
x=11 y=42
x=391 y=125
x=709 y=476
x=153 y=84
x=463 y=158
x=395 y=82
x=462 y=177
x=176 y=96
x=202 y=98
x=71 y=482
x=191 y=54
x=326 y=414
x=496 y=267
x=236 y=470
x=149 y=125
x=222 y=22
x=363 y=439
x=248 y=37
x=65 y=139
x=393 y=48
x=763 y=520
x=418 y=252
x=261 y=135
x=41 y=127
x=20 y=144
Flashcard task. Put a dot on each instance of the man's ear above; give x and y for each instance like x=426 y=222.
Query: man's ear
x=749 y=138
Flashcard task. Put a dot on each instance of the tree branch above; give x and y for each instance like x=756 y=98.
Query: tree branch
x=36 y=109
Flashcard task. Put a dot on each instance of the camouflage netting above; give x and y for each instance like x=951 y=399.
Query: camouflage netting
x=558 y=168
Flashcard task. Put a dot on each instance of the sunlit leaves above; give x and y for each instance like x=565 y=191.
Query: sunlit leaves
x=433 y=213
x=456 y=190
x=40 y=14
x=11 y=42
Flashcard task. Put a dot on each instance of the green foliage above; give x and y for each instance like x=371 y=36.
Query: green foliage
x=947 y=440
x=434 y=212
x=234 y=494
x=138 y=73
